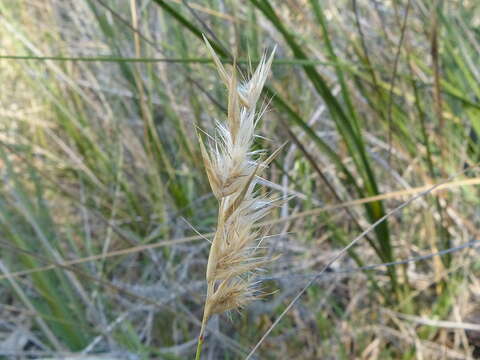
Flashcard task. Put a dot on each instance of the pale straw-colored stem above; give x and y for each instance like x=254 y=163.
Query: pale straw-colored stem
x=210 y=289
x=206 y=316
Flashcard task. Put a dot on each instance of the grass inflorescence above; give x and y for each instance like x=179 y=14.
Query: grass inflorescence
x=232 y=168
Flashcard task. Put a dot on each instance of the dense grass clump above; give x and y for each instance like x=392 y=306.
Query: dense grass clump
x=107 y=213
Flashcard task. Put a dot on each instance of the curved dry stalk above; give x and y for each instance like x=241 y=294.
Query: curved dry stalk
x=232 y=169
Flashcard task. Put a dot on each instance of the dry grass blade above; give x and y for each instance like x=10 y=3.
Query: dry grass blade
x=312 y=212
x=344 y=251
x=232 y=169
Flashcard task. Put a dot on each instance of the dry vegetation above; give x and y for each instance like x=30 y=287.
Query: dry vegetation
x=233 y=171
x=107 y=212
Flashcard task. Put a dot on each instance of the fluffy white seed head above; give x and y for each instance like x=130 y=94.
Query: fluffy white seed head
x=232 y=169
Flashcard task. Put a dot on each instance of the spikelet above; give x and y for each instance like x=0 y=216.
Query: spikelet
x=232 y=169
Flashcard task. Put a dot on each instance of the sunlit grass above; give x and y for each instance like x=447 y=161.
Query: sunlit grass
x=100 y=161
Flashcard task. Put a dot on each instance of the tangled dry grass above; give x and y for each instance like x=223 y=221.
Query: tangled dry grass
x=105 y=206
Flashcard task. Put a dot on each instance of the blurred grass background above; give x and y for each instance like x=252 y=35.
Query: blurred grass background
x=103 y=193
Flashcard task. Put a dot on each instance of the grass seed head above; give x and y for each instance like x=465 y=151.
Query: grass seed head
x=233 y=169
